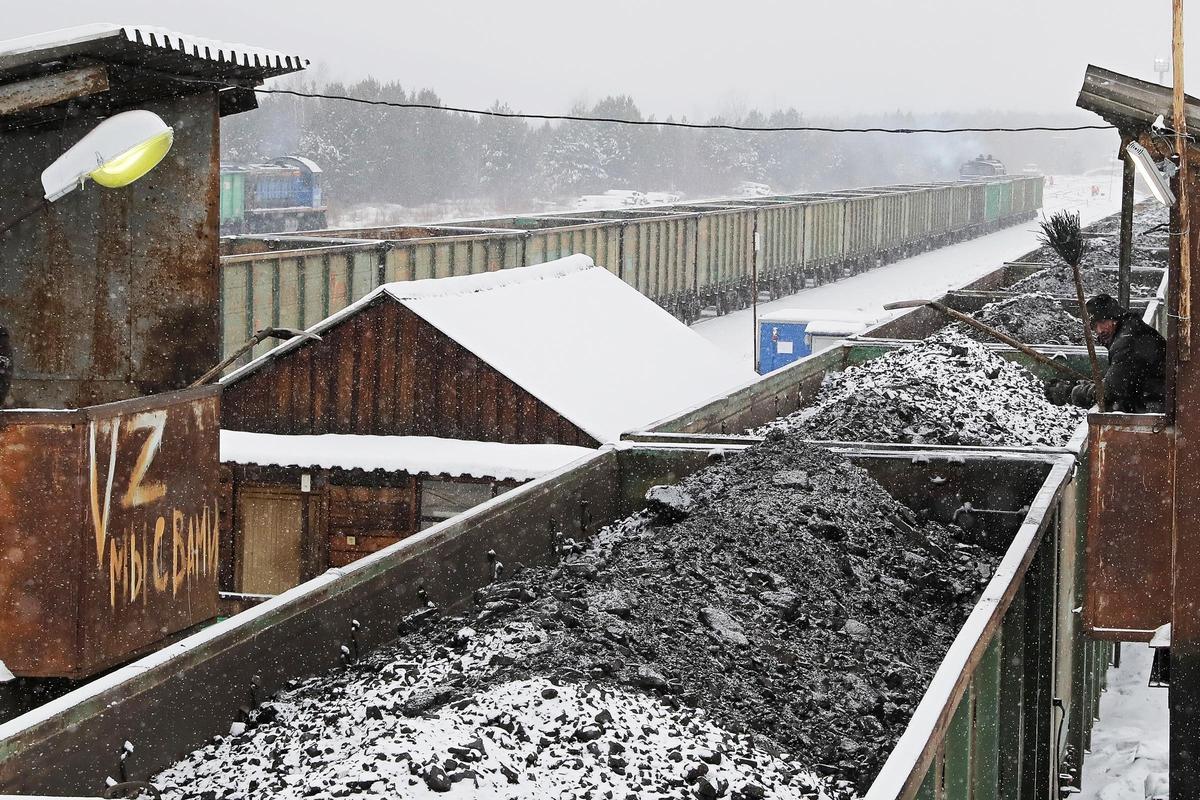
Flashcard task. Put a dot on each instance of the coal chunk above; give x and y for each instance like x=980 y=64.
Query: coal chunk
x=669 y=503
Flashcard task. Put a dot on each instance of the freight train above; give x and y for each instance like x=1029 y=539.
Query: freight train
x=690 y=258
x=283 y=195
x=1008 y=713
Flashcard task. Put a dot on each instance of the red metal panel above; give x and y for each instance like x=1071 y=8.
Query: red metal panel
x=1128 y=553
x=109 y=522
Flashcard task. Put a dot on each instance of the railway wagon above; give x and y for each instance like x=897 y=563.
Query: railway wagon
x=779 y=225
x=655 y=254
x=686 y=257
x=984 y=728
x=973 y=710
x=778 y=242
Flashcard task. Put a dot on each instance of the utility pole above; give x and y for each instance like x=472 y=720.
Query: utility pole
x=1180 y=124
x=1126 y=255
x=754 y=295
x=1184 y=396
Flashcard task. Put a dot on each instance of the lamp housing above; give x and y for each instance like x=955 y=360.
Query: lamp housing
x=1149 y=172
x=115 y=153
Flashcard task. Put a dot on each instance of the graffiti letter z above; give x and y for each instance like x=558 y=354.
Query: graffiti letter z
x=139 y=493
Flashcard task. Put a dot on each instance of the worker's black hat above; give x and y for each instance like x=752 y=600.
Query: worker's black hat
x=1104 y=306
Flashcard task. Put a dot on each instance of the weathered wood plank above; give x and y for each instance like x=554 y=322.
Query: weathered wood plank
x=46 y=90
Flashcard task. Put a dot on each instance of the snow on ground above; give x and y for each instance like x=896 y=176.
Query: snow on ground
x=1128 y=759
x=927 y=275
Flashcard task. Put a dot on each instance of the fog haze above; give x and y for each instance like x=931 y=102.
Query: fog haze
x=696 y=58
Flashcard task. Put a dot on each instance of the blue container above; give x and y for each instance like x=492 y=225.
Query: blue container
x=780 y=343
x=790 y=334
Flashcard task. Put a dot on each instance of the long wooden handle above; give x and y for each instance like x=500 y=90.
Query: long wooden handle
x=990 y=331
x=1097 y=376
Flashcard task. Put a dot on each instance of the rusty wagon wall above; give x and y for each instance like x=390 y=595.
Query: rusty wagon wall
x=109 y=524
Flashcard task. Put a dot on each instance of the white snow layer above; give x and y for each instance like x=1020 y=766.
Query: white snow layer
x=412 y=454
x=152 y=36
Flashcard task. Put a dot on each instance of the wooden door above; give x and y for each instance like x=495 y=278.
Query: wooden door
x=272 y=525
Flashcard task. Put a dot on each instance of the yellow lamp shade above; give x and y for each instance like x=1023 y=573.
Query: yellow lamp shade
x=116 y=152
x=134 y=162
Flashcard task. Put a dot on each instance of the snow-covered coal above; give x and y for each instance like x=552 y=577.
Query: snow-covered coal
x=1031 y=318
x=948 y=389
x=767 y=630
x=1150 y=239
x=1058 y=280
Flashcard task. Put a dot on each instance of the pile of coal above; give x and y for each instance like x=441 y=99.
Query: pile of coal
x=1059 y=281
x=1149 y=219
x=1150 y=242
x=947 y=389
x=1030 y=318
x=771 y=640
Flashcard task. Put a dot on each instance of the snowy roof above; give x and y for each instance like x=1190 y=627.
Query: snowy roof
x=810 y=314
x=307 y=163
x=412 y=454
x=1131 y=103
x=835 y=327
x=144 y=42
x=572 y=334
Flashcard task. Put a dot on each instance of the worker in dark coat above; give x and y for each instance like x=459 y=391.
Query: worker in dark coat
x=6 y=364
x=1135 y=380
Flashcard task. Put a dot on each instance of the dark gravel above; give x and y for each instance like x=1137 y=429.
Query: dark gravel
x=782 y=595
x=1059 y=281
x=1029 y=318
x=947 y=389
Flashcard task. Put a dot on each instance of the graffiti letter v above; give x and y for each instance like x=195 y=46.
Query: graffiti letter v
x=100 y=522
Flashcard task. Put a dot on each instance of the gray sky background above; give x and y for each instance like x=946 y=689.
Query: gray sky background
x=686 y=57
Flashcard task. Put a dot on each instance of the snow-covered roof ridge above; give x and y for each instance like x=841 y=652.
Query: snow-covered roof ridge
x=487 y=281
x=154 y=37
x=412 y=454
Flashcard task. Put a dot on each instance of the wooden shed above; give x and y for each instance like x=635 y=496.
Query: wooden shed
x=306 y=503
x=481 y=369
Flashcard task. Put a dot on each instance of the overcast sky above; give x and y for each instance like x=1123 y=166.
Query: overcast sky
x=685 y=57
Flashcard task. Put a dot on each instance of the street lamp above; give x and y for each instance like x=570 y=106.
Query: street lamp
x=115 y=153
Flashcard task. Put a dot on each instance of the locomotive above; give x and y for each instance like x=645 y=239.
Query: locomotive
x=283 y=195
x=982 y=166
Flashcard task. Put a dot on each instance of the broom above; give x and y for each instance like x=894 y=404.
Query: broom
x=1063 y=234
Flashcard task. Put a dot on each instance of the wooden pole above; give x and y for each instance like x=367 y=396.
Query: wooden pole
x=754 y=298
x=1183 y=696
x=1180 y=125
x=1126 y=255
x=1089 y=339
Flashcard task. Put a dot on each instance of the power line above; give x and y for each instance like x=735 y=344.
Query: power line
x=690 y=125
